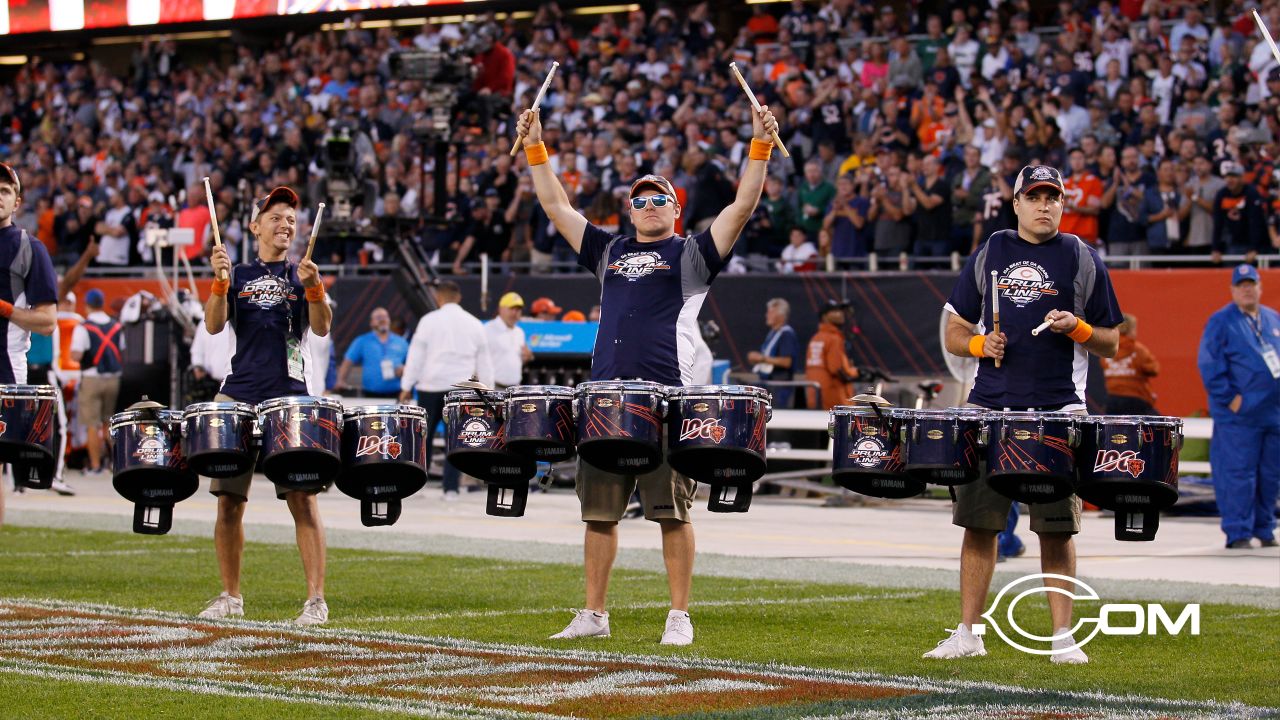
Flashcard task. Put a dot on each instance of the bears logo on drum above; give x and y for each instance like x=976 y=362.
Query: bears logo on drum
x=869 y=452
x=3 y=426
x=706 y=428
x=475 y=433
x=378 y=445
x=1112 y=460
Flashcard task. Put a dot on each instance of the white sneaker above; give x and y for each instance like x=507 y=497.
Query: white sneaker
x=679 y=630
x=451 y=496
x=1074 y=656
x=62 y=488
x=585 y=623
x=222 y=607
x=314 y=612
x=961 y=643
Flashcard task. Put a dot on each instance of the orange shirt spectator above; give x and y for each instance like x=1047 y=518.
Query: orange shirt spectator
x=1082 y=190
x=1129 y=374
x=196 y=218
x=826 y=362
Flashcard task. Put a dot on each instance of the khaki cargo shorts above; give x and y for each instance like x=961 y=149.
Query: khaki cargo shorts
x=664 y=493
x=977 y=507
x=96 y=398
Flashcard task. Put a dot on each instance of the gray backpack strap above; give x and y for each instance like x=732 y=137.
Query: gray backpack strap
x=21 y=266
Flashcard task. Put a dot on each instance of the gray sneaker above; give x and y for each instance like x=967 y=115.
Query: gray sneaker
x=314 y=612
x=222 y=607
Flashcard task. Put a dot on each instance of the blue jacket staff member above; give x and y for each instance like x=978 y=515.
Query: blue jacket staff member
x=781 y=355
x=1042 y=275
x=1240 y=365
x=272 y=304
x=651 y=288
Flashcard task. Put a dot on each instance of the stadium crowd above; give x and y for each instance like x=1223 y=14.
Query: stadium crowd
x=907 y=123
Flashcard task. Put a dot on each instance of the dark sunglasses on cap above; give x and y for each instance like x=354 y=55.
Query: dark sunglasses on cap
x=638 y=203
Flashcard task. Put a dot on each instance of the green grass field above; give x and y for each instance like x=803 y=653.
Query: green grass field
x=842 y=627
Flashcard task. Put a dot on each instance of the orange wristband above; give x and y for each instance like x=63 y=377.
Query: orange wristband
x=6 y=309
x=315 y=294
x=536 y=154
x=220 y=287
x=760 y=150
x=975 y=345
x=1082 y=332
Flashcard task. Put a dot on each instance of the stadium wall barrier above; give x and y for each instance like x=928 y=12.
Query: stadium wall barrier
x=898 y=314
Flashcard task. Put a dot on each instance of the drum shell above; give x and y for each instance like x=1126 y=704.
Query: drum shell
x=147 y=463
x=716 y=435
x=384 y=452
x=620 y=425
x=539 y=422
x=29 y=434
x=867 y=453
x=301 y=441
x=1031 y=456
x=941 y=447
x=475 y=438
x=218 y=438
x=1129 y=462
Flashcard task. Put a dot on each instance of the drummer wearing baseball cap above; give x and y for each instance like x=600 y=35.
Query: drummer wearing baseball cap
x=1042 y=277
x=652 y=285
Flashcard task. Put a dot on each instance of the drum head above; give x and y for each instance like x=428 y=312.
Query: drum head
x=155 y=484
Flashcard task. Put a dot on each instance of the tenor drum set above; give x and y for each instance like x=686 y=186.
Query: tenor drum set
x=715 y=434
x=1128 y=464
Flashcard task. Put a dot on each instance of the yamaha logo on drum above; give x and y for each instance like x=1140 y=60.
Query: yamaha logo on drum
x=604 y=402
x=529 y=407
x=299 y=417
x=151 y=430
x=1119 y=439
x=871 y=430
x=377 y=425
x=475 y=412
x=1021 y=434
x=701 y=407
x=216 y=422
x=934 y=434
x=475 y=433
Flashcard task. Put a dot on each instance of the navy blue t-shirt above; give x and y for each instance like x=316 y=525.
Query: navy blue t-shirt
x=1047 y=371
x=263 y=310
x=28 y=282
x=650 y=295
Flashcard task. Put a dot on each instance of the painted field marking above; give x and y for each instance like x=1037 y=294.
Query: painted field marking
x=452 y=678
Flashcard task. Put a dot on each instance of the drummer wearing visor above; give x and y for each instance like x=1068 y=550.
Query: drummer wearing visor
x=652 y=286
x=271 y=306
x=1042 y=276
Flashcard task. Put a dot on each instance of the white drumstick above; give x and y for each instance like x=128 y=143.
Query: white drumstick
x=1266 y=35
x=537 y=102
x=213 y=220
x=755 y=105
x=315 y=231
x=1042 y=327
x=995 y=306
